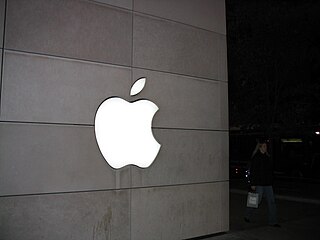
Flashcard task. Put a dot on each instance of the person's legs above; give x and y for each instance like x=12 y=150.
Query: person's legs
x=249 y=211
x=272 y=210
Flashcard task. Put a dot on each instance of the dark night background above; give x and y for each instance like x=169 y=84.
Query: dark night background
x=274 y=81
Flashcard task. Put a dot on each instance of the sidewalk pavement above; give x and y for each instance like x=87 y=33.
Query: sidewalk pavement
x=302 y=229
x=298 y=216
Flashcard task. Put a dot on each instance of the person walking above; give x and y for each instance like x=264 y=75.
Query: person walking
x=261 y=179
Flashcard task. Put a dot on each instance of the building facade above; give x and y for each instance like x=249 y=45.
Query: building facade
x=60 y=60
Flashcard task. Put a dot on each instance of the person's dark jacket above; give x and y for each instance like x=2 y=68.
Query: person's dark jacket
x=261 y=170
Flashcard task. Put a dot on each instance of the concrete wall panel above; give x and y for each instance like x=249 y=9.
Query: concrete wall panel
x=44 y=89
x=119 y=3
x=184 y=102
x=76 y=29
x=185 y=157
x=76 y=216
x=225 y=158
x=225 y=206
x=2 y=10
x=224 y=113
x=206 y=14
x=172 y=47
x=53 y=158
x=184 y=211
x=1 y=51
x=223 y=68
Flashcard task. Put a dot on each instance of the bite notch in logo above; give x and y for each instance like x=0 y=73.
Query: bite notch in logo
x=123 y=130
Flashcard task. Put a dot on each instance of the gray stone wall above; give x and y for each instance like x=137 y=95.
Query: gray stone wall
x=60 y=60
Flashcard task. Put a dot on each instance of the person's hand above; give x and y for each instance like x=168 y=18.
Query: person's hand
x=253 y=188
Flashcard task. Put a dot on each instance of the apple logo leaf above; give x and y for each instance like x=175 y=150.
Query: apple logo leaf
x=138 y=86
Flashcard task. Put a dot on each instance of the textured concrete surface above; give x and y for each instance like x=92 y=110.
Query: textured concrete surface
x=50 y=158
x=74 y=216
x=180 y=210
x=118 y=3
x=206 y=14
x=223 y=65
x=171 y=47
x=2 y=9
x=76 y=29
x=45 y=89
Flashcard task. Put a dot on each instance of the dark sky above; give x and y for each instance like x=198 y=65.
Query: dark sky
x=273 y=63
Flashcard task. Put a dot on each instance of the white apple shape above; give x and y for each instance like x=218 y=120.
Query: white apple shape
x=123 y=130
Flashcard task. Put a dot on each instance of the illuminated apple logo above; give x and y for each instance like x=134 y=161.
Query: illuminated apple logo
x=123 y=130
